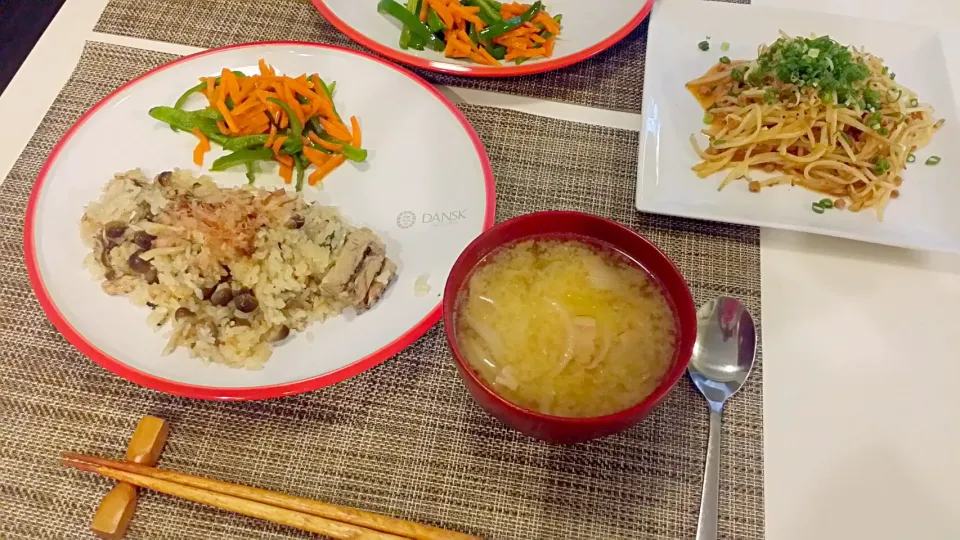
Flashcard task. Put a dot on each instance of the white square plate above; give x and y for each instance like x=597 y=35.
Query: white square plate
x=925 y=216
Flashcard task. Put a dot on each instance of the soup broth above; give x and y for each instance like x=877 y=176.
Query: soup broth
x=566 y=329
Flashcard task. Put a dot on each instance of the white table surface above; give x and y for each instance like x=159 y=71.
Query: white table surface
x=861 y=342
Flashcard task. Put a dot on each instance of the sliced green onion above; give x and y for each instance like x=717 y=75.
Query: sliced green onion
x=724 y=59
x=704 y=45
x=933 y=160
x=893 y=76
x=883 y=131
x=724 y=46
x=940 y=123
x=914 y=102
x=718 y=142
x=911 y=158
x=708 y=118
x=881 y=166
x=817 y=208
x=826 y=203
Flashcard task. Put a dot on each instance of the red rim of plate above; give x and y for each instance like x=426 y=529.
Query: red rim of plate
x=528 y=68
x=211 y=392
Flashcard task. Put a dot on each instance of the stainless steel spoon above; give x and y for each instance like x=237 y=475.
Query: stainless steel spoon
x=723 y=356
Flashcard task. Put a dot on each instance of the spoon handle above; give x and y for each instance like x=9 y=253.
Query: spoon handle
x=707 y=525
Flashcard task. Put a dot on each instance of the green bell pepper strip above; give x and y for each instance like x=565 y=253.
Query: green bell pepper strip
x=241 y=157
x=488 y=13
x=413 y=6
x=208 y=113
x=244 y=141
x=296 y=128
x=499 y=52
x=349 y=151
x=509 y=25
x=353 y=153
x=300 y=168
x=434 y=22
x=182 y=100
x=417 y=44
x=411 y=21
x=188 y=121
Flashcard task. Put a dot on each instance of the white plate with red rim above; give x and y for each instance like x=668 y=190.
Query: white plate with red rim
x=588 y=30
x=405 y=193
x=923 y=217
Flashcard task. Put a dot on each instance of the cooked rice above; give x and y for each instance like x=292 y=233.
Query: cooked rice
x=272 y=262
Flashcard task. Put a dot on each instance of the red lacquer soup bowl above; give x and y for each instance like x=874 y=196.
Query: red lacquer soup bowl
x=599 y=232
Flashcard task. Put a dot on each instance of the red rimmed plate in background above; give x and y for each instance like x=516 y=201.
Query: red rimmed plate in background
x=404 y=192
x=588 y=30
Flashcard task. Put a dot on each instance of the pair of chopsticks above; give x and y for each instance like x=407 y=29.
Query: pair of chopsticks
x=334 y=521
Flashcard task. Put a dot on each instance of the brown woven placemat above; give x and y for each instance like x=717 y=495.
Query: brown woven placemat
x=405 y=438
x=611 y=80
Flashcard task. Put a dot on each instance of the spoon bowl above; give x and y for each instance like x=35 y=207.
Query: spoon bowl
x=724 y=352
x=723 y=356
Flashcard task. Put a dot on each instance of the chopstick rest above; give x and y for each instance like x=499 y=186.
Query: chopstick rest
x=117 y=507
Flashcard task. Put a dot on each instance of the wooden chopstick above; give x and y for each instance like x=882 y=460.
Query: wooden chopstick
x=305 y=514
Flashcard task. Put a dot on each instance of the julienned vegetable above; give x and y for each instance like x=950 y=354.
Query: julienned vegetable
x=484 y=31
x=268 y=117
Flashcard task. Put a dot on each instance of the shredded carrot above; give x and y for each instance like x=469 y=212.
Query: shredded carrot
x=272 y=137
x=548 y=23
x=462 y=47
x=478 y=58
x=203 y=146
x=286 y=172
x=442 y=11
x=333 y=147
x=357 y=140
x=265 y=70
x=467 y=13
x=548 y=46
x=314 y=156
x=326 y=169
x=423 y=12
x=336 y=129
x=314 y=137
x=227 y=116
x=525 y=53
x=284 y=159
x=488 y=57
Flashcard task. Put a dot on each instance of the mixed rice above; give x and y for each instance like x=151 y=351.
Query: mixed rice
x=235 y=270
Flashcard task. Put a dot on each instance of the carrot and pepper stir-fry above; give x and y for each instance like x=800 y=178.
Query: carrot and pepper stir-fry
x=487 y=32
x=264 y=117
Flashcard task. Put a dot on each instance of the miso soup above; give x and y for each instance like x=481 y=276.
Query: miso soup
x=565 y=328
